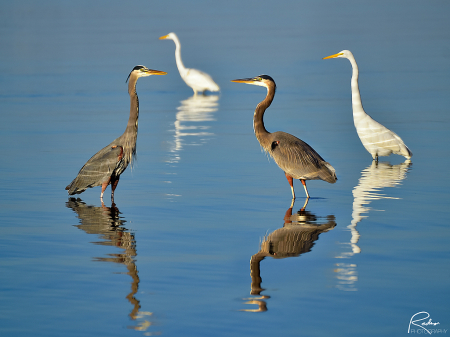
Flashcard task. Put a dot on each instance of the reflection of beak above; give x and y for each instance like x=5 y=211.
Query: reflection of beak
x=164 y=37
x=262 y=306
x=332 y=56
x=244 y=80
x=155 y=72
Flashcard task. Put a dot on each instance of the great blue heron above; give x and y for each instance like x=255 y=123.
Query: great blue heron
x=196 y=79
x=376 y=138
x=106 y=166
x=297 y=159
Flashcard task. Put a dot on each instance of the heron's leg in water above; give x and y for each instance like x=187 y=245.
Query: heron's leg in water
x=291 y=183
x=113 y=186
x=304 y=206
x=304 y=185
x=104 y=186
x=288 y=214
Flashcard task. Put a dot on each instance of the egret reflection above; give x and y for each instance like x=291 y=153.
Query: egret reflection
x=190 y=123
x=374 y=178
x=297 y=236
x=107 y=223
x=191 y=127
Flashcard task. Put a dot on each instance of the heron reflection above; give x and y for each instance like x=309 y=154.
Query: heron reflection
x=297 y=236
x=374 y=178
x=107 y=223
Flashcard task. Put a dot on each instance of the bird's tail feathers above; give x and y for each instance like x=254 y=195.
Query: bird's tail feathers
x=73 y=189
x=329 y=176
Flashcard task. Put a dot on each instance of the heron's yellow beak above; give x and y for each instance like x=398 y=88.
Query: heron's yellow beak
x=244 y=80
x=164 y=37
x=155 y=72
x=333 y=56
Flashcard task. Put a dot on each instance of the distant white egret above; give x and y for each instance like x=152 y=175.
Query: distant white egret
x=194 y=78
x=376 y=138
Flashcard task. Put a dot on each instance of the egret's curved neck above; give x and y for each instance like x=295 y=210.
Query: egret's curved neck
x=358 y=110
x=258 y=122
x=180 y=65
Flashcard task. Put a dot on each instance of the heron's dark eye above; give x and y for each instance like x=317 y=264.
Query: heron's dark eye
x=275 y=144
x=271 y=251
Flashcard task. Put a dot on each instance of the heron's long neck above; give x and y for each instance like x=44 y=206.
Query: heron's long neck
x=130 y=134
x=258 y=122
x=180 y=65
x=358 y=111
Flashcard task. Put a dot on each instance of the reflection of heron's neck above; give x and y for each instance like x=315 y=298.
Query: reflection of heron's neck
x=258 y=123
x=133 y=272
x=180 y=65
x=358 y=111
x=255 y=273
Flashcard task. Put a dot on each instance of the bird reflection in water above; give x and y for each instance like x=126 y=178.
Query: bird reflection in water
x=373 y=178
x=191 y=122
x=191 y=113
x=107 y=223
x=297 y=236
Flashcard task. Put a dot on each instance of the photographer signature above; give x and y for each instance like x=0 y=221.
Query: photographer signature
x=423 y=316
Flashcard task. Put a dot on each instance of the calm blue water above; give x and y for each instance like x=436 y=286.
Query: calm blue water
x=201 y=240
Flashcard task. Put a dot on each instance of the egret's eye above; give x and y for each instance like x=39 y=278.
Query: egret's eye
x=258 y=78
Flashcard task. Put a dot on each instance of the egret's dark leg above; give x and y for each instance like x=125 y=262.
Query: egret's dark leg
x=304 y=185
x=291 y=183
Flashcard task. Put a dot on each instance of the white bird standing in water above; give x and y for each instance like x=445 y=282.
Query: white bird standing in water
x=376 y=138
x=194 y=78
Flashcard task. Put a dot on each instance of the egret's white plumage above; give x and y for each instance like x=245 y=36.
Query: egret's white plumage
x=196 y=79
x=376 y=138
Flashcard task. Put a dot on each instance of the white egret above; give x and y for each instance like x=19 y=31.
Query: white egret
x=194 y=78
x=376 y=138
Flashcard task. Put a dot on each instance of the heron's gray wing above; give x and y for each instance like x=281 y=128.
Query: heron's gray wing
x=301 y=161
x=96 y=170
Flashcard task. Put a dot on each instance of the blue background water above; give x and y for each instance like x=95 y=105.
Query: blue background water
x=173 y=256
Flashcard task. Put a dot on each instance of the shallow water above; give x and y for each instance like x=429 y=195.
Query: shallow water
x=202 y=239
